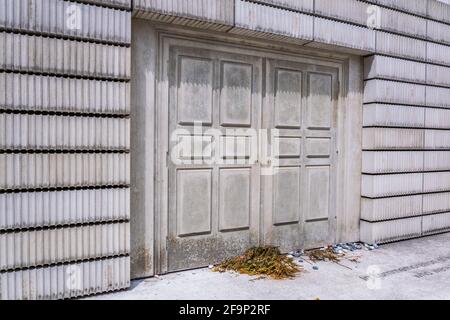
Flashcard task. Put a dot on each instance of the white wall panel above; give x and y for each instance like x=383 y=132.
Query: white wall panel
x=392 y=138
x=50 y=17
x=346 y=10
x=41 y=93
x=377 y=186
x=69 y=281
x=414 y=6
x=438 y=75
x=57 y=170
x=391 y=115
x=437 y=118
x=299 y=5
x=376 y=162
x=436 y=223
x=389 y=231
x=219 y=12
x=56 y=56
x=343 y=35
x=43 y=132
x=438 y=97
x=437 y=139
x=438 y=53
x=391 y=208
x=49 y=246
x=259 y=20
x=437 y=160
x=436 y=181
x=436 y=202
x=400 y=46
x=399 y=22
x=55 y=208
x=395 y=69
x=394 y=92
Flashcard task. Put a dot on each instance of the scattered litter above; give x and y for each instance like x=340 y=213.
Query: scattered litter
x=264 y=261
x=210 y=266
x=296 y=253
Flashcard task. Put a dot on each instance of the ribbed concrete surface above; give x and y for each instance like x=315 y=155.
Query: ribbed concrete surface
x=65 y=140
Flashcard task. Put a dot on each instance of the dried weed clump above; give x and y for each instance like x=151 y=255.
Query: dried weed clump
x=262 y=261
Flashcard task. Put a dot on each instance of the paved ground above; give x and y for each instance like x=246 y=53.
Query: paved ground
x=415 y=269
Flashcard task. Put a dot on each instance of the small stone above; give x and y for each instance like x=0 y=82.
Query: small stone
x=315 y=268
x=301 y=261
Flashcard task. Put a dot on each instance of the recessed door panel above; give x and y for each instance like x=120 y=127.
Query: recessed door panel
x=298 y=198
x=213 y=187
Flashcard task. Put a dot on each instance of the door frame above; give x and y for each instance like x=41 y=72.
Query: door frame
x=168 y=36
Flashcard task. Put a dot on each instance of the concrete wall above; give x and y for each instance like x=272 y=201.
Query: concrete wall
x=64 y=140
x=65 y=126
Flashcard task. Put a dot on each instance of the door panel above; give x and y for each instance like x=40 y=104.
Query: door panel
x=213 y=206
x=301 y=104
x=221 y=201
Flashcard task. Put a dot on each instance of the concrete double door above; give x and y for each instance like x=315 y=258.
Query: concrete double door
x=221 y=199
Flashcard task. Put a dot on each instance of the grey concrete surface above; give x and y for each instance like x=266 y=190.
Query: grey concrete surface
x=414 y=269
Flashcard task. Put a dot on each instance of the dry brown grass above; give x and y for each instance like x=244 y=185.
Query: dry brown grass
x=262 y=261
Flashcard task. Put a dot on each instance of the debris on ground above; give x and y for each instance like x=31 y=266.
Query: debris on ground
x=262 y=261
x=336 y=253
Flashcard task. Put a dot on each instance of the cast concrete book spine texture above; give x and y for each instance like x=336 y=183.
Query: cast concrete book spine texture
x=64 y=140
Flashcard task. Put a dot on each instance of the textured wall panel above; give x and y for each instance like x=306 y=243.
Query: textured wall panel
x=399 y=22
x=56 y=56
x=400 y=46
x=66 y=281
x=395 y=69
x=438 y=97
x=437 y=118
x=346 y=10
x=438 y=75
x=49 y=246
x=391 y=115
x=377 y=186
x=196 y=13
x=43 y=132
x=123 y=4
x=437 y=139
x=40 y=93
x=57 y=208
x=299 y=5
x=436 y=202
x=256 y=20
x=392 y=138
x=414 y=6
x=438 y=53
x=394 y=92
x=436 y=223
x=50 y=17
x=438 y=10
x=376 y=162
x=437 y=160
x=389 y=231
x=391 y=208
x=343 y=34
x=439 y=32
x=436 y=181
x=57 y=170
